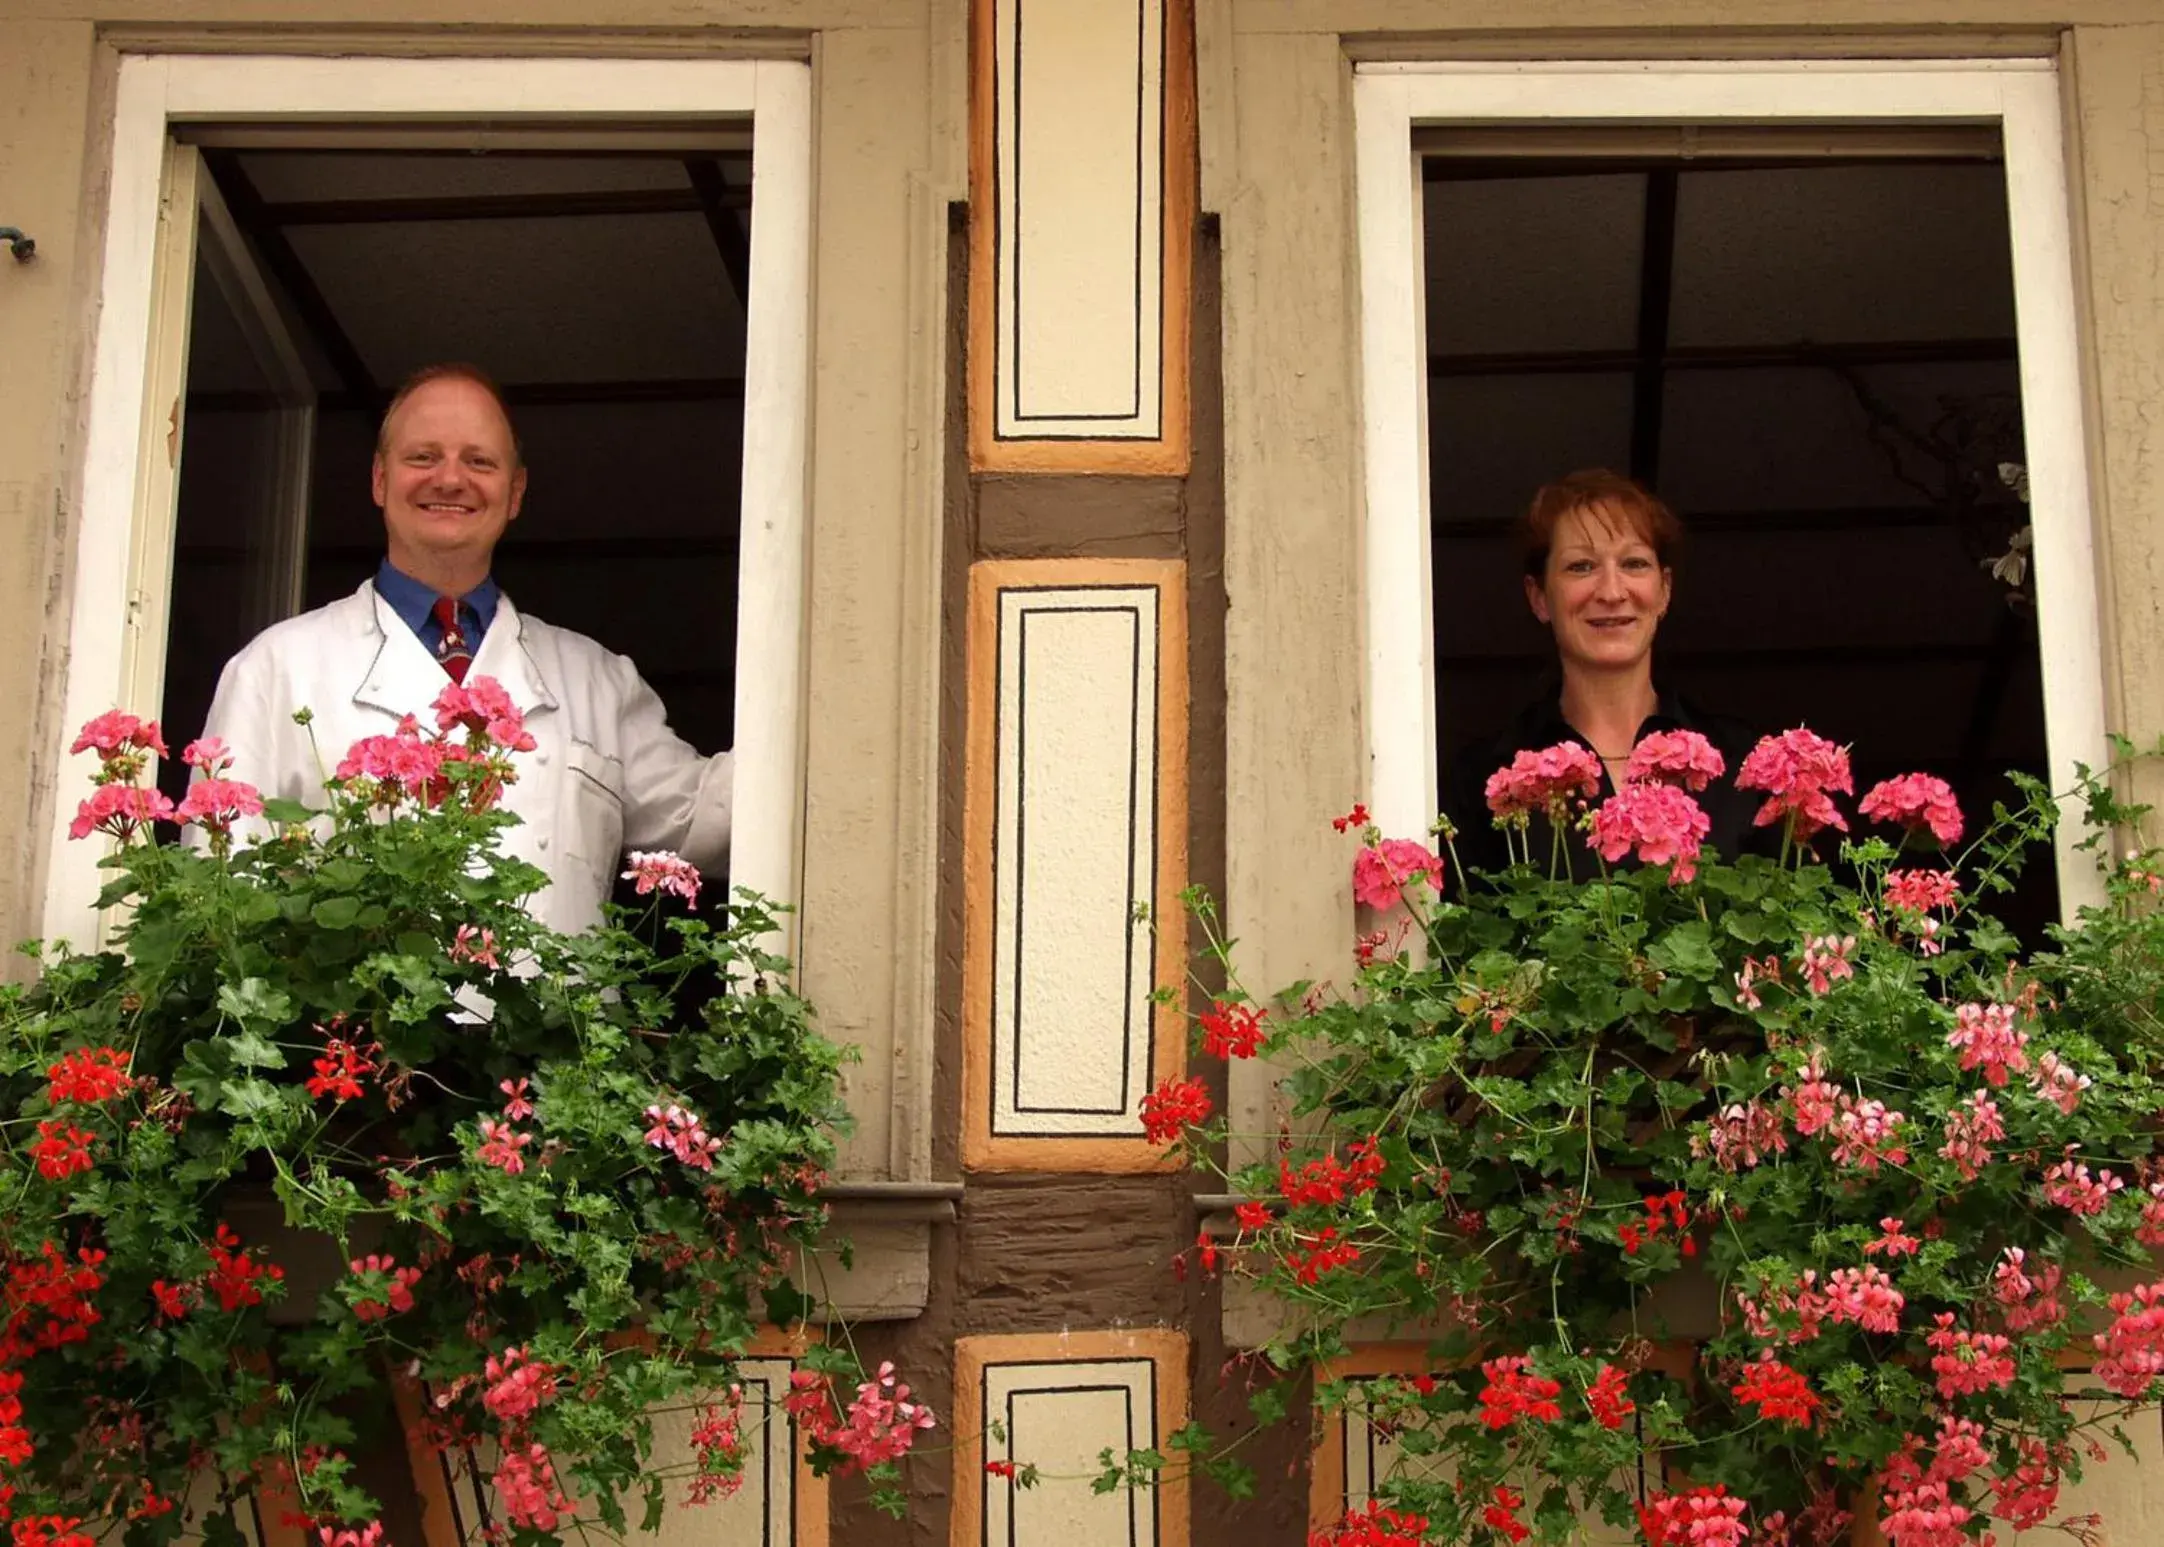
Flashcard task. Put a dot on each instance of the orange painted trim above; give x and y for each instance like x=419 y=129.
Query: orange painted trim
x=438 y=1519
x=1169 y=454
x=981 y=1149
x=1165 y=1349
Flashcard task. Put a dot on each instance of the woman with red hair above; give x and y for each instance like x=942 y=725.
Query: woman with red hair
x=1598 y=558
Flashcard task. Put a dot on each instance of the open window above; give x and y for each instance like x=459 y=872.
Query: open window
x=1827 y=313
x=288 y=239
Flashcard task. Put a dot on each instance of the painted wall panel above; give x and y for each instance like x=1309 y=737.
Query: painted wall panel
x=1057 y=1403
x=1082 y=193
x=1075 y=824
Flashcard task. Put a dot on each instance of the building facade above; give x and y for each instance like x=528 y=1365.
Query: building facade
x=1080 y=546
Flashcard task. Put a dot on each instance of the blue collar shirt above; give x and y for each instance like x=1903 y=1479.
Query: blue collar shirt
x=415 y=604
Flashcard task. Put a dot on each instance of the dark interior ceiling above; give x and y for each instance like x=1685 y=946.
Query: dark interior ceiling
x=604 y=291
x=1814 y=361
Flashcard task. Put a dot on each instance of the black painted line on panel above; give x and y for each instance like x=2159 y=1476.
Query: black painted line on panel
x=1134 y=757
x=1127 y=1402
x=1014 y=319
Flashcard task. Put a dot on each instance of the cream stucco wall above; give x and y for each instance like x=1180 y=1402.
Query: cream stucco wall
x=890 y=88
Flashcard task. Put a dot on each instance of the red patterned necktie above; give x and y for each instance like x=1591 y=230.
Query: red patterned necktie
x=452 y=649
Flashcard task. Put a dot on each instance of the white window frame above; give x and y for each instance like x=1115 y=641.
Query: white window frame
x=107 y=664
x=2020 y=96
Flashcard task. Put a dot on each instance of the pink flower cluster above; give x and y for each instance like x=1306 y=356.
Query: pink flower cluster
x=516 y=1385
x=117 y=736
x=1703 y=1517
x=216 y=804
x=120 y=811
x=1917 y=802
x=370 y=1535
x=1987 y=1038
x=1867 y=1135
x=526 y=1482
x=1814 y=1098
x=1743 y=1134
x=1682 y=758
x=1383 y=870
x=1915 y=895
x=502 y=1145
x=1864 y=1296
x=1968 y=1363
x=2027 y=1495
x=660 y=871
x=1920 y=1511
x=2056 y=1081
x=1658 y=823
x=1755 y=972
x=1892 y=1240
x=483 y=707
x=1545 y=780
x=718 y=1441
x=880 y=1425
x=1800 y=772
x=2070 y=1186
x=683 y=1134
x=474 y=945
x=2027 y=1302
x=2151 y=1230
x=2131 y=1350
x=1826 y=960
x=1972 y=1126
x=403 y=765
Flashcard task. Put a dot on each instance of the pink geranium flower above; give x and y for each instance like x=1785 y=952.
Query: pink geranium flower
x=2058 y=1083
x=682 y=1133
x=1800 y=772
x=474 y=945
x=400 y=764
x=500 y=1146
x=1972 y=1127
x=1542 y=781
x=216 y=804
x=208 y=753
x=1916 y=801
x=1675 y=757
x=117 y=733
x=1920 y=891
x=482 y=704
x=119 y=810
x=1657 y=822
x=526 y=1483
x=664 y=872
x=1987 y=1038
x=1382 y=871
x=2132 y=1348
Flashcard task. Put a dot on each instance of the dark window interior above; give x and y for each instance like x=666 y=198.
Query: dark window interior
x=605 y=292
x=1813 y=360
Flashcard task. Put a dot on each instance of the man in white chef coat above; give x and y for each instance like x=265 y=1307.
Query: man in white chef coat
x=607 y=773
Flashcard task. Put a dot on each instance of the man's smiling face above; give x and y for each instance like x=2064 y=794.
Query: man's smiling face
x=448 y=479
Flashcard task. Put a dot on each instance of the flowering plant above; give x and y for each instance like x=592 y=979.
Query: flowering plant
x=1729 y=1199
x=335 y=1117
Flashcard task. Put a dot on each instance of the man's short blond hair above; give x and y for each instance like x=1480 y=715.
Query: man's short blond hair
x=449 y=370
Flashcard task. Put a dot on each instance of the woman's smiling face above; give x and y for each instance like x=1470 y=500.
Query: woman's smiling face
x=1604 y=591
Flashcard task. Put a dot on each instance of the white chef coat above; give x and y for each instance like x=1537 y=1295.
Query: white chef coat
x=606 y=773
